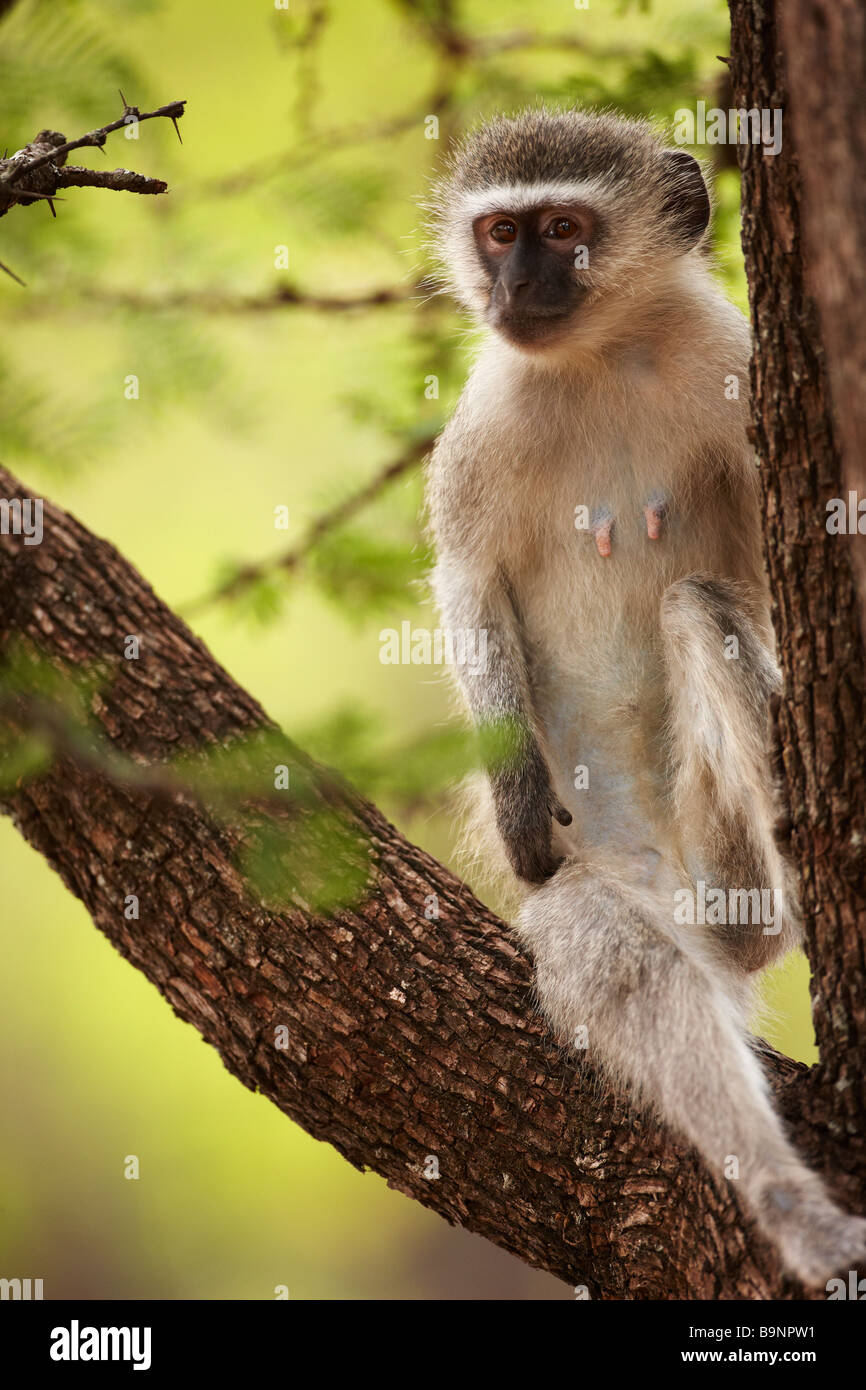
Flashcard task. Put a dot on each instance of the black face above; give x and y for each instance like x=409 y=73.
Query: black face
x=530 y=257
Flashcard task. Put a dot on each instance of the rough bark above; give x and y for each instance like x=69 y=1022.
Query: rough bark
x=824 y=51
x=821 y=717
x=408 y=1037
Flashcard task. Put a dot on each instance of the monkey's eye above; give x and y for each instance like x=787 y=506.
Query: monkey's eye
x=503 y=231
x=561 y=229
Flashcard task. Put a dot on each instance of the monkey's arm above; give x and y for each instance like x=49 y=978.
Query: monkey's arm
x=496 y=690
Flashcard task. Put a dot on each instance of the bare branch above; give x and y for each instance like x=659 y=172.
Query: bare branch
x=36 y=171
x=280 y=297
x=121 y=180
x=57 y=155
x=328 y=521
x=523 y=40
x=456 y=49
x=327 y=141
x=11 y=273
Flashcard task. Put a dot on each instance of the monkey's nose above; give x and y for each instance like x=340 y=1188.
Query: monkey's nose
x=514 y=289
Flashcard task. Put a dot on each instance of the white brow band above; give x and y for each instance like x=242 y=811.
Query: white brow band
x=520 y=197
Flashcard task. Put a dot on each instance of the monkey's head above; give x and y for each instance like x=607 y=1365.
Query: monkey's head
x=552 y=225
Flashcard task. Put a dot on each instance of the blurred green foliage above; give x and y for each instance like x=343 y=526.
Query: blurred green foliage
x=305 y=130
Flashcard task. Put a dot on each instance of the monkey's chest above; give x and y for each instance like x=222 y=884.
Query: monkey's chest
x=588 y=584
x=589 y=607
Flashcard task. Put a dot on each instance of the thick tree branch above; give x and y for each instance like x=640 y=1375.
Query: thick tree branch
x=408 y=1033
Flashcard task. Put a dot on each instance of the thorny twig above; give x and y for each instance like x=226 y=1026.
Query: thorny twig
x=57 y=148
x=36 y=172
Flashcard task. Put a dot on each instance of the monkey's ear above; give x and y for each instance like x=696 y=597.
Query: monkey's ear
x=687 y=202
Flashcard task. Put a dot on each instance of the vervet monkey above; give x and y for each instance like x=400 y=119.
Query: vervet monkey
x=594 y=503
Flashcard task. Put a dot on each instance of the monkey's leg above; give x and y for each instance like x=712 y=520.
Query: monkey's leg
x=721 y=675
x=656 y=1017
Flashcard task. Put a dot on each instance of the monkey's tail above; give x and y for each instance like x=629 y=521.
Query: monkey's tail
x=721 y=675
x=615 y=978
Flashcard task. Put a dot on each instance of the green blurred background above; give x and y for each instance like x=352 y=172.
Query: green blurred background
x=240 y=411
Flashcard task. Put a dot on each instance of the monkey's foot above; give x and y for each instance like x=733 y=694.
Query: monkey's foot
x=815 y=1238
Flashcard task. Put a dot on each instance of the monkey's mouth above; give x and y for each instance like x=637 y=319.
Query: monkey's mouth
x=531 y=329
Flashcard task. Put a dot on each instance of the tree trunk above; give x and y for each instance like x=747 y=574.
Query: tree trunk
x=824 y=45
x=821 y=718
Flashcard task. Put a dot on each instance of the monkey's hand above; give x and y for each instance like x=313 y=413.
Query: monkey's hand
x=526 y=807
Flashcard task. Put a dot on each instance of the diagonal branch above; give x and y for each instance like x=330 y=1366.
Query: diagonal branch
x=256 y=172
x=323 y=525
x=398 y=1029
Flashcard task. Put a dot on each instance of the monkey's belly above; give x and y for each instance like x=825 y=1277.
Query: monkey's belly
x=604 y=740
x=597 y=668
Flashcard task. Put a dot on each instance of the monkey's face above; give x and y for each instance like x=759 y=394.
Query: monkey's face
x=532 y=258
x=557 y=228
